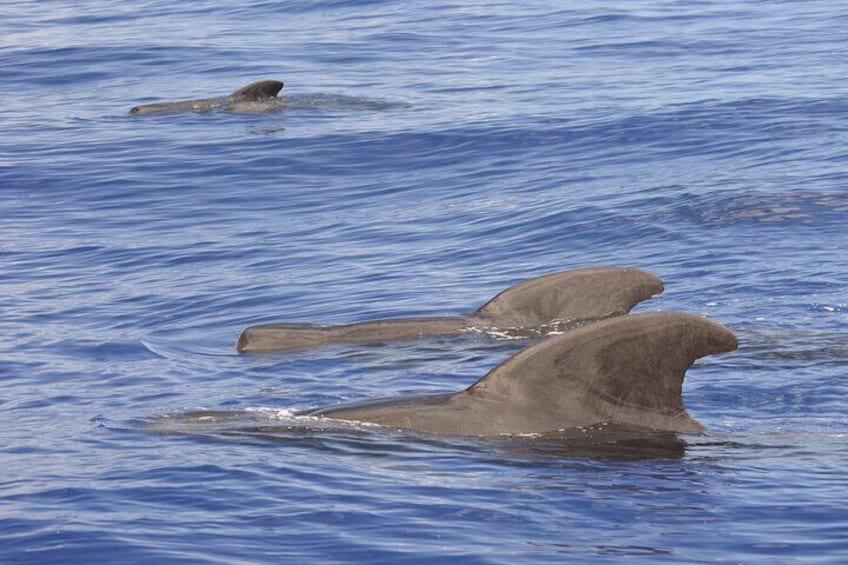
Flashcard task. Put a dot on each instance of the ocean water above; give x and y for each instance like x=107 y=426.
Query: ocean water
x=437 y=153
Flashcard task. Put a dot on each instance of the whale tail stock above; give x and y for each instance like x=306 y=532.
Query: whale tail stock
x=567 y=297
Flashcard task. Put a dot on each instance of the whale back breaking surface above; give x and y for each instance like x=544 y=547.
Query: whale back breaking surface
x=572 y=296
x=260 y=91
x=283 y=336
x=625 y=371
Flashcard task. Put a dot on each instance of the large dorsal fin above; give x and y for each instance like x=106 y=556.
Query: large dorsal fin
x=627 y=370
x=592 y=292
x=258 y=90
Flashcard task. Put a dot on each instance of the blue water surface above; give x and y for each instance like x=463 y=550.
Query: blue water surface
x=441 y=152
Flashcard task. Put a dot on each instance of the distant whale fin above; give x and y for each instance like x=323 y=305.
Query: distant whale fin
x=573 y=296
x=261 y=90
x=258 y=90
x=627 y=370
x=577 y=294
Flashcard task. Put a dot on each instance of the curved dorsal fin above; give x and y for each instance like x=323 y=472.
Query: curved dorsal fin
x=258 y=90
x=626 y=370
x=577 y=294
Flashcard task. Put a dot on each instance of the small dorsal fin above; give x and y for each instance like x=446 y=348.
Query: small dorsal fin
x=627 y=370
x=592 y=292
x=578 y=295
x=258 y=90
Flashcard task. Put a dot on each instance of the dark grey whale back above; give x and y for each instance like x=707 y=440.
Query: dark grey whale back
x=572 y=296
x=261 y=90
x=627 y=371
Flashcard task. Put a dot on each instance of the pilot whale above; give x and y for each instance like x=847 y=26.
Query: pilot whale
x=626 y=372
x=547 y=302
x=257 y=96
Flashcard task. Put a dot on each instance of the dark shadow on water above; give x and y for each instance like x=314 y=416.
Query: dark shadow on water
x=269 y=427
x=604 y=441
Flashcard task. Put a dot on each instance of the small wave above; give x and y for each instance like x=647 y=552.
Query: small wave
x=323 y=101
x=256 y=421
x=555 y=327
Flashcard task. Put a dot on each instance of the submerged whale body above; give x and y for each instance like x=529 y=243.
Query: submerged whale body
x=552 y=301
x=259 y=96
x=626 y=371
